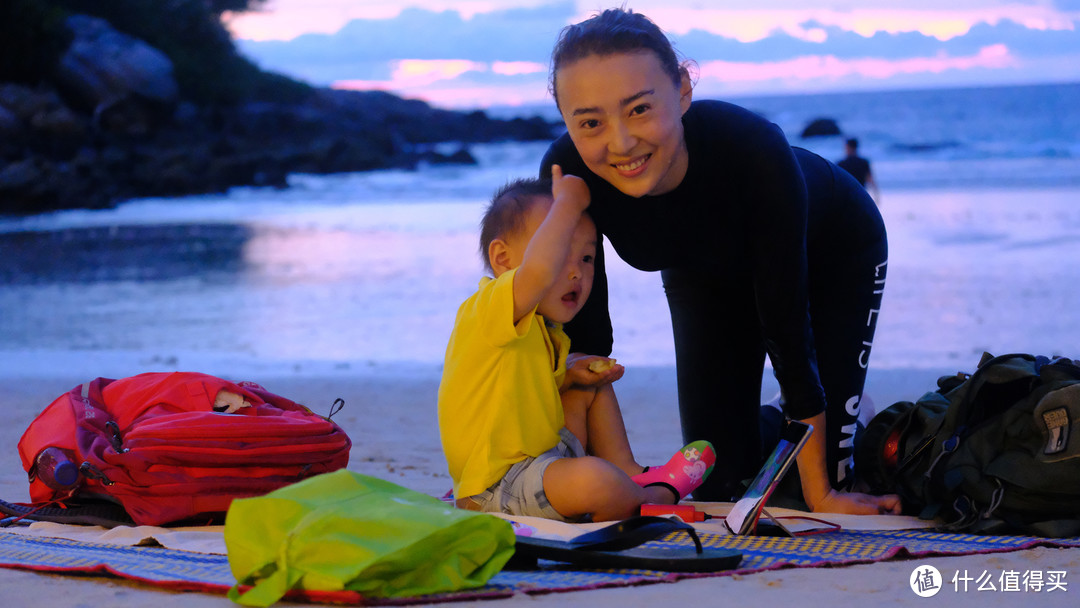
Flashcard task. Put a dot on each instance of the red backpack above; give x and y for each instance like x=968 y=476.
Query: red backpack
x=155 y=444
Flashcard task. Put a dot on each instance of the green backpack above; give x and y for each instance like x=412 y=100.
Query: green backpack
x=994 y=452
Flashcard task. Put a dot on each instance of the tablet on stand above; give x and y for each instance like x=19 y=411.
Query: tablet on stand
x=745 y=515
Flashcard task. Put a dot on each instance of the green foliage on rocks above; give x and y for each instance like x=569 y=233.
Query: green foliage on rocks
x=32 y=38
x=206 y=65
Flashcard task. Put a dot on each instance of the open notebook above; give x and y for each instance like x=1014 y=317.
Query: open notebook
x=744 y=516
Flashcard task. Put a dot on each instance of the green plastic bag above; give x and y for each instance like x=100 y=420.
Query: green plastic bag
x=345 y=531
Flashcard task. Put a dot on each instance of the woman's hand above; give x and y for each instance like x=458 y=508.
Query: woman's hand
x=854 y=503
x=817 y=492
x=579 y=374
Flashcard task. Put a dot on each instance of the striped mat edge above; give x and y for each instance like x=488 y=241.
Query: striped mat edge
x=186 y=571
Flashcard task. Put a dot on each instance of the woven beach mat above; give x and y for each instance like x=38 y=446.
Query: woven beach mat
x=188 y=571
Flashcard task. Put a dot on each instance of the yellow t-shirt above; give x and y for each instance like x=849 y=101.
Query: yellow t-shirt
x=499 y=395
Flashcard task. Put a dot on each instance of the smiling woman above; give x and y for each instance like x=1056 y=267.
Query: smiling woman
x=762 y=248
x=634 y=141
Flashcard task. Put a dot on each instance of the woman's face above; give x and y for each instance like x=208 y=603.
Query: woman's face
x=624 y=115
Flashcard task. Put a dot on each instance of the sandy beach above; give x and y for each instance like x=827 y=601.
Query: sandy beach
x=390 y=415
x=317 y=292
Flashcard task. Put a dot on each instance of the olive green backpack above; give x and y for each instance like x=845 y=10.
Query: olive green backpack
x=996 y=451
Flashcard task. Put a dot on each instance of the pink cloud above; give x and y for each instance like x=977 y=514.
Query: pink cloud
x=433 y=81
x=829 y=67
x=450 y=96
x=515 y=68
x=750 y=25
x=412 y=77
x=416 y=75
x=420 y=72
x=483 y=97
x=287 y=19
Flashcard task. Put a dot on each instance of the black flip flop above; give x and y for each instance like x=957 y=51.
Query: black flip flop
x=618 y=547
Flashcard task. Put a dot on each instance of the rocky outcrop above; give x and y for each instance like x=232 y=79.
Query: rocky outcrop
x=820 y=127
x=121 y=81
x=111 y=126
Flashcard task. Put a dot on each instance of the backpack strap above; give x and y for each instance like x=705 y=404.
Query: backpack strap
x=91 y=513
x=971 y=404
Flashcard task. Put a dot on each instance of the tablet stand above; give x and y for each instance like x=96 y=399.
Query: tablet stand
x=772 y=528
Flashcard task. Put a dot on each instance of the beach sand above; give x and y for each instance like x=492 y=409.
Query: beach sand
x=390 y=416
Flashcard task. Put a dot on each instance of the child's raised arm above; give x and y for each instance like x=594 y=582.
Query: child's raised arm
x=545 y=256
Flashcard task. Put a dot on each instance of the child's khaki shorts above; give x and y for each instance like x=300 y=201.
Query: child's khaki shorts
x=521 y=490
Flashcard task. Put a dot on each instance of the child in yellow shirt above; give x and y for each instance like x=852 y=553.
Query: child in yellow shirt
x=524 y=431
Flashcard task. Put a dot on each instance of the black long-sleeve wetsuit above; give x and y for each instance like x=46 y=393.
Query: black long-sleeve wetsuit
x=763 y=249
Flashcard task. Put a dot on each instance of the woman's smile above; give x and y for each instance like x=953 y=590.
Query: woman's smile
x=632 y=168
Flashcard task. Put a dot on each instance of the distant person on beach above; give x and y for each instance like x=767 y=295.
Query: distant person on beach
x=526 y=429
x=858 y=167
x=763 y=249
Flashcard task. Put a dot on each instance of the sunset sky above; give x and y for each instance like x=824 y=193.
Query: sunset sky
x=483 y=53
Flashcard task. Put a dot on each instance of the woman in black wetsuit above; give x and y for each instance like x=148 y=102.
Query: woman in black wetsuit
x=763 y=249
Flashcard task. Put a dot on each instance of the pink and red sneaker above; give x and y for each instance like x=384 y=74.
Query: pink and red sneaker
x=686 y=470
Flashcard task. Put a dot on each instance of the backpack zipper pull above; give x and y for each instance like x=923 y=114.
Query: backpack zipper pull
x=947 y=447
x=92 y=472
x=995 y=498
x=335 y=407
x=116 y=441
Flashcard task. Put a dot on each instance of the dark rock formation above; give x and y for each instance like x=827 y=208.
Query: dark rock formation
x=109 y=125
x=103 y=66
x=820 y=127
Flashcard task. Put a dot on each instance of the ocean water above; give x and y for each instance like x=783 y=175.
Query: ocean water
x=344 y=273
x=979 y=137
x=990 y=137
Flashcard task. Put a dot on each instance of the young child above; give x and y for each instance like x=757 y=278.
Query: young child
x=524 y=431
